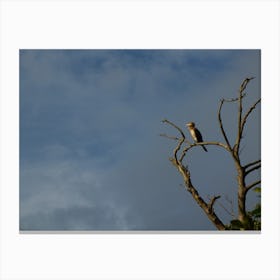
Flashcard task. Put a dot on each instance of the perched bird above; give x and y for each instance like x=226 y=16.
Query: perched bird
x=195 y=133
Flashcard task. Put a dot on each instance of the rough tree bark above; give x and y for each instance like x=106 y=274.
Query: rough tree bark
x=179 y=154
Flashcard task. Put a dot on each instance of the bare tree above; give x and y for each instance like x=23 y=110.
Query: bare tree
x=243 y=170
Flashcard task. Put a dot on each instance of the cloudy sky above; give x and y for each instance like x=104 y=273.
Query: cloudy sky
x=91 y=157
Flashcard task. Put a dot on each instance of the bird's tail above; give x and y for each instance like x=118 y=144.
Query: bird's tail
x=203 y=147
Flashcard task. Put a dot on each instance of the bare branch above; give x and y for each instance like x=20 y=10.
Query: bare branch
x=221 y=123
x=234 y=150
x=253 y=185
x=174 y=138
x=199 y=200
x=239 y=132
x=252 y=169
x=206 y=144
x=181 y=141
x=174 y=125
x=169 y=137
x=235 y=99
x=248 y=113
x=245 y=83
x=251 y=163
x=240 y=109
x=202 y=144
x=183 y=155
x=211 y=203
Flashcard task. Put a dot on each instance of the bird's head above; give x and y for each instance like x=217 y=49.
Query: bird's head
x=190 y=125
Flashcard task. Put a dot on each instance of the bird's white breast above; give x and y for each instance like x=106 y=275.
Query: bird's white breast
x=192 y=132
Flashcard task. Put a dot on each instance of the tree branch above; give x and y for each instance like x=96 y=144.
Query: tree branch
x=175 y=126
x=252 y=169
x=235 y=99
x=221 y=123
x=181 y=141
x=239 y=132
x=248 y=113
x=174 y=138
x=251 y=163
x=207 y=208
x=234 y=150
x=204 y=144
x=169 y=137
x=252 y=185
x=240 y=109
x=245 y=83
x=211 y=203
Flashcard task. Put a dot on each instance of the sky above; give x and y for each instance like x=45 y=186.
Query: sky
x=91 y=155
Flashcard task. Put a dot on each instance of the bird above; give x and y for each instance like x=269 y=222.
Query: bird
x=195 y=133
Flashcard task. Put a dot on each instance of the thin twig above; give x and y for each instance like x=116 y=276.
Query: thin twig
x=239 y=132
x=211 y=203
x=241 y=149
x=221 y=124
x=235 y=99
x=181 y=141
x=251 y=163
x=202 y=144
x=252 y=169
x=240 y=109
x=173 y=138
x=174 y=125
x=252 y=185
x=245 y=83
x=248 y=113
x=207 y=144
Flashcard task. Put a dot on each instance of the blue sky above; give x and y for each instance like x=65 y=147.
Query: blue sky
x=91 y=157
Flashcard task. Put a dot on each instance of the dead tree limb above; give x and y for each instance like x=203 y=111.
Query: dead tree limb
x=240 y=121
x=221 y=124
x=248 y=113
x=251 y=163
x=207 y=207
x=252 y=169
x=211 y=203
x=179 y=155
x=253 y=185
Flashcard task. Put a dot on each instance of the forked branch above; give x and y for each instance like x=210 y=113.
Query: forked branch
x=221 y=124
x=180 y=142
x=241 y=122
x=211 y=203
x=242 y=171
x=207 y=207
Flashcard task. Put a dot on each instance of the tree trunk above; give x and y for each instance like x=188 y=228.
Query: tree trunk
x=241 y=194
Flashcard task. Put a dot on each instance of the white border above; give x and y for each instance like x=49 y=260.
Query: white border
x=153 y=24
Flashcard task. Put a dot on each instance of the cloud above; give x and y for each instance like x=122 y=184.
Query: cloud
x=65 y=194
